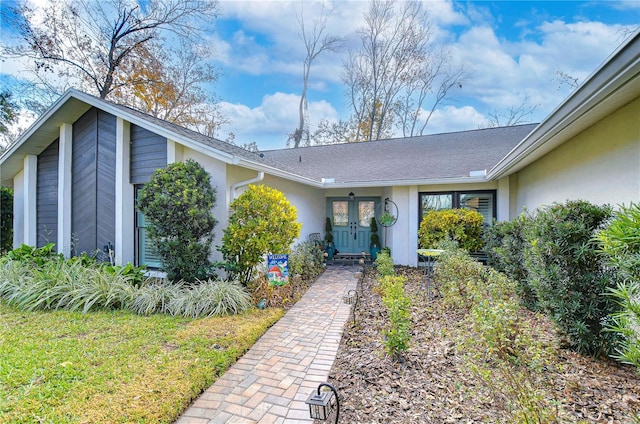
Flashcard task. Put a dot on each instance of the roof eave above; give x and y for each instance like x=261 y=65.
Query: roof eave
x=615 y=83
x=412 y=182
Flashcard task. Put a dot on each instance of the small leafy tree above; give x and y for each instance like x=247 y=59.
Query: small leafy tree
x=6 y=219
x=461 y=225
x=177 y=202
x=262 y=221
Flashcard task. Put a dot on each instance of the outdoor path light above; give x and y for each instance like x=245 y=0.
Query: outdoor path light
x=323 y=402
x=350 y=299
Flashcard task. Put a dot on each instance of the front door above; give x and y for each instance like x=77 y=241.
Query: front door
x=351 y=220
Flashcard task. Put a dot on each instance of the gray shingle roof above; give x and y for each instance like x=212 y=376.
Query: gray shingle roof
x=429 y=157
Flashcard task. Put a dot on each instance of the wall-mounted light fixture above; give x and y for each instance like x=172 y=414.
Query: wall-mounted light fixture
x=352 y=196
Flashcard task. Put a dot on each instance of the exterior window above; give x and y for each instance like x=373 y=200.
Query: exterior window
x=340 y=213
x=436 y=201
x=366 y=211
x=483 y=202
x=480 y=202
x=145 y=253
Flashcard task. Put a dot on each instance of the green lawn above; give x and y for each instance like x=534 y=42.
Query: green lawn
x=63 y=367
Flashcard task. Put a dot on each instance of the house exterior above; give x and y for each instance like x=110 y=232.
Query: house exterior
x=76 y=171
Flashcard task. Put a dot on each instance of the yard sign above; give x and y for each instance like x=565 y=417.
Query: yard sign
x=278 y=269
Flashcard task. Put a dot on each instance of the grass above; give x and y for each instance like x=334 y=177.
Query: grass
x=117 y=367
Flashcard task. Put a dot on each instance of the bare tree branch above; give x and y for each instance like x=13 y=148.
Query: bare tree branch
x=316 y=42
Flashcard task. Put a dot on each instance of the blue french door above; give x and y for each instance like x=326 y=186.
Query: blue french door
x=351 y=221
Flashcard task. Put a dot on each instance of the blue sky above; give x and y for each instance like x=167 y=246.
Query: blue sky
x=512 y=50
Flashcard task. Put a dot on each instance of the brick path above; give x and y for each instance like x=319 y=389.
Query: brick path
x=270 y=383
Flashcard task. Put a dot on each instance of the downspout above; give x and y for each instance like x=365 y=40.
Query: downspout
x=232 y=191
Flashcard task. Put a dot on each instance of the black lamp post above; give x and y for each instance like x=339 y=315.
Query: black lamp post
x=322 y=403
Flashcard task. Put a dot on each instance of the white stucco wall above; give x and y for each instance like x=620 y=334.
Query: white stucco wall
x=600 y=165
x=218 y=171
x=308 y=201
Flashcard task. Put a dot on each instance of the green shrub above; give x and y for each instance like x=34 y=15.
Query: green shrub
x=503 y=351
x=461 y=225
x=36 y=256
x=306 y=260
x=458 y=278
x=177 y=203
x=569 y=276
x=384 y=265
x=505 y=244
x=398 y=306
x=261 y=221
x=626 y=322
x=620 y=242
x=6 y=219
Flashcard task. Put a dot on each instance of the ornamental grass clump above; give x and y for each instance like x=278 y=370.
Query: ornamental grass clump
x=63 y=284
x=207 y=298
x=81 y=284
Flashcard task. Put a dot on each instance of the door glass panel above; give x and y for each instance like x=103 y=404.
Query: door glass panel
x=436 y=202
x=480 y=202
x=366 y=211
x=340 y=213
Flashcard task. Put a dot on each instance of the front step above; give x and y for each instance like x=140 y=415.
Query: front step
x=350 y=259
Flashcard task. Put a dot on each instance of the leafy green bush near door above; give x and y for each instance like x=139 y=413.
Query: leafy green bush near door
x=461 y=225
x=261 y=221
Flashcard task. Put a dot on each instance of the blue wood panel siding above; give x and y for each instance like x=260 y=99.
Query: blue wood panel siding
x=47 y=195
x=148 y=153
x=83 y=197
x=106 y=180
x=93 y=181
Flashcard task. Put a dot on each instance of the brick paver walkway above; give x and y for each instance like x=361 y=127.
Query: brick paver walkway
x=270 y=383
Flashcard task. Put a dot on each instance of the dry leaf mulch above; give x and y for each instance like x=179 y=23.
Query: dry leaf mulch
x=432 y=382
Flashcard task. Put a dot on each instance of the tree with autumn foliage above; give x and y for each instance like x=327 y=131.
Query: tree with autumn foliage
x=119 y=50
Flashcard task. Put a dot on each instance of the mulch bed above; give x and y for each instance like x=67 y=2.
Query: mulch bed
x=432 y=384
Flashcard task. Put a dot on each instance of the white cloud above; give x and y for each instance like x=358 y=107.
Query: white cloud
x=269 y=123
x=505 y=72
x=451 y=118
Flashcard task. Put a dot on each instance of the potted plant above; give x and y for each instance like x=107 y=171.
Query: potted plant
x=387 y=219
x=329 y=248
x=374 y=247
